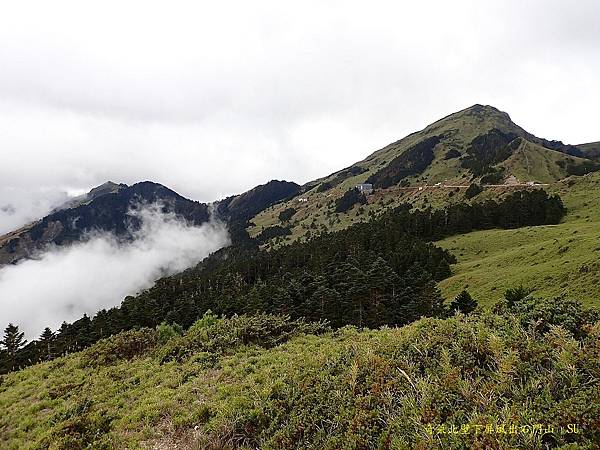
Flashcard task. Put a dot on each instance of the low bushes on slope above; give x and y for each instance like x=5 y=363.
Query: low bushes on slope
x=409 y=387
x=406 y=387
x=125 y=345
x=214 y=335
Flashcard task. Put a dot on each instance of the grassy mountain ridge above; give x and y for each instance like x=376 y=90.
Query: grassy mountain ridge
x=531 y=161
x=590 y=150
x=480 y=144
x=456 y=132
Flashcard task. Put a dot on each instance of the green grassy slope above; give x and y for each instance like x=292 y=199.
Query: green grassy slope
x=389 y=388
x=458 y=129
x=554 y=260
x=591 y=150
x=529 y=161
x=532 y=162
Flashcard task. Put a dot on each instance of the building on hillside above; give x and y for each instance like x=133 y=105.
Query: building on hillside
x=365 y=188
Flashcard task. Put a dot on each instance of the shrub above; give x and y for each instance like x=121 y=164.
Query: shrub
x=80 y=427
x=166 y=331
x=387 y=388
x=452 y=153
x=543 y=313
x=287 y=214
x=473 y=190
x=214 y=335
x=396 y=388
x=125 y=345
x=325 y=186
x=495 y=177
x=349 y=199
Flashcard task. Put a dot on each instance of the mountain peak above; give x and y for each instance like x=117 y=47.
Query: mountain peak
x=478 y=144
x=489 y=111
x=105 y=208
x=479 y=108
x=105 y=188
x=471 y=122
x=244 y=206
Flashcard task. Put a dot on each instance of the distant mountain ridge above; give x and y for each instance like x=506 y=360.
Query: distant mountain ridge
x=106 y=207
x=245 y=206
x=107 y=188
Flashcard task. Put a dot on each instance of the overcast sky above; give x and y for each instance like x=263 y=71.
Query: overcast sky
x=212 y=98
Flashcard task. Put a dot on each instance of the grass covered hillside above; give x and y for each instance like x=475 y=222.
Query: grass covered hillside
x=525 y=376
x=432 y=167
x=533 y=162
x=591 y=150
x=561 y=259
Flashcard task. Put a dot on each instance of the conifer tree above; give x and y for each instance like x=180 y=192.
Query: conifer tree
x=357 y=295
x=513 y=295
x=473 y=190
x=431 y=303
x=405 y=306
x=382 y=283
x=463 y=303
x=254 y=301
x=13 y=341
x=46 y=340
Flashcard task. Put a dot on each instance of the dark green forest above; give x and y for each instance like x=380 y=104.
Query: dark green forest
x=411 y=162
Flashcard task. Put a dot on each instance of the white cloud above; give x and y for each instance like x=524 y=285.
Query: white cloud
x=66 y=282
x=20 y=205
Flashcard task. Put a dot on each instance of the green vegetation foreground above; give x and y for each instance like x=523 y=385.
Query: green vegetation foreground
x=525 y=375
